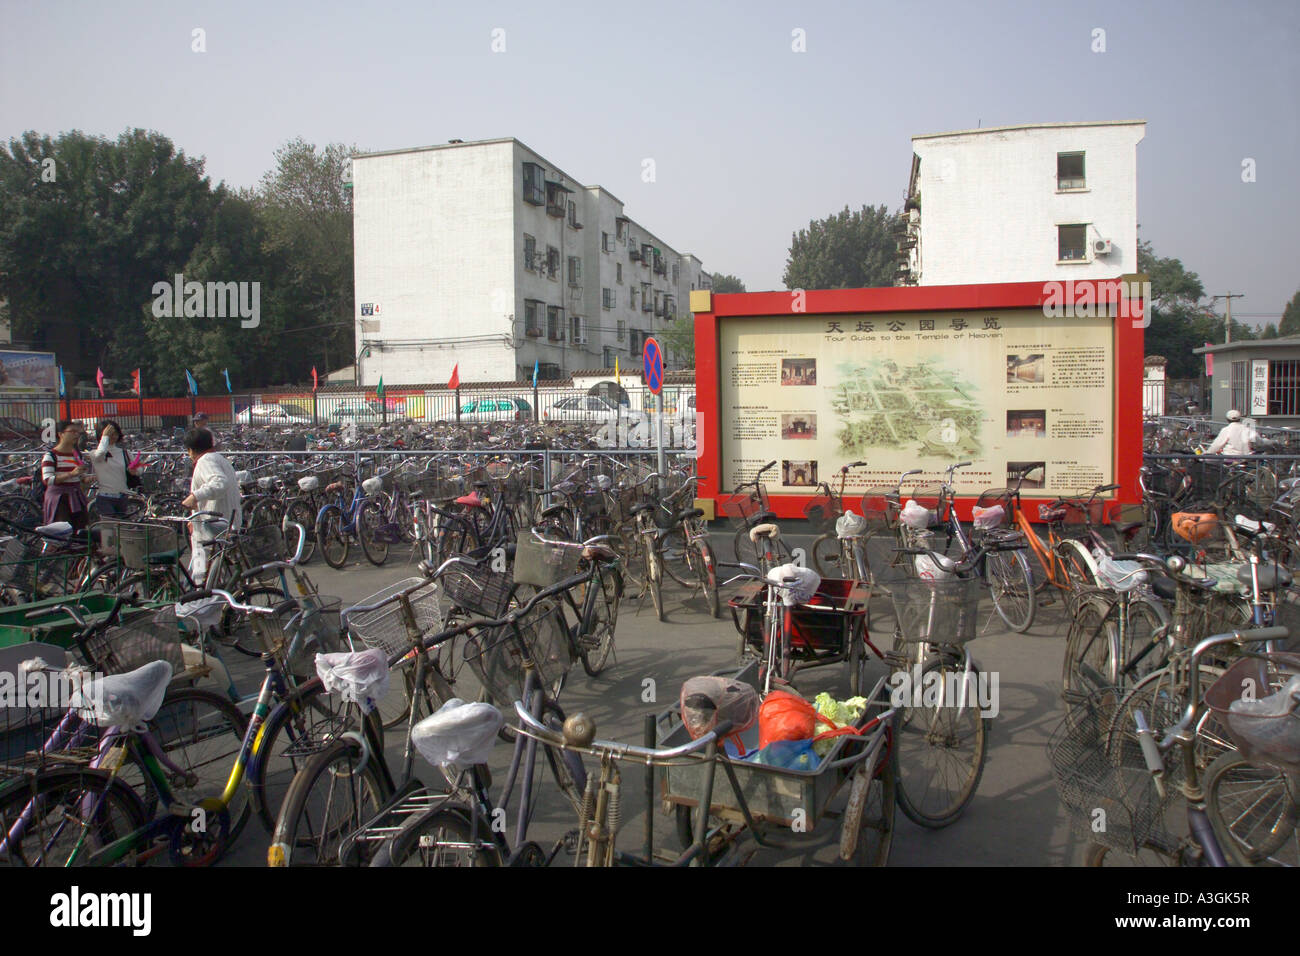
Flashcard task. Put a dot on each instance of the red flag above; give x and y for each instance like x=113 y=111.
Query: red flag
x=1209 y=362
x=314 y=382
x=99 y=380
x=454 y=381
x=135 y=381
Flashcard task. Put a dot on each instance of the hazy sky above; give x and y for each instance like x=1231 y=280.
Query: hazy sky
x=750 y=140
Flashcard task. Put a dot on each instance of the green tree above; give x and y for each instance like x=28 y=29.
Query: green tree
x=848 y=250
x=1290 y=324
x=724 y=283
x=1269 y=331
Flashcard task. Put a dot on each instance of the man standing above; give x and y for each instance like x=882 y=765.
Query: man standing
x=213 y=487
x=1234 y=439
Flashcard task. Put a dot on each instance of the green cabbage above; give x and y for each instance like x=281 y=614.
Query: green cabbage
x=841 y=711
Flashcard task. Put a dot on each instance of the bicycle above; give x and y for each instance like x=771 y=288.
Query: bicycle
x=749 y=511
x=829 y=552
x=339 y=522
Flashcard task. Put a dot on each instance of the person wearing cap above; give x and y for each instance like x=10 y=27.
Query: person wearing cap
x=1234 y=439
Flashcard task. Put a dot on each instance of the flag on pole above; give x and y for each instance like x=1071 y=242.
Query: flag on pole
x=535 y=364
x=616 y=378
x=315 y=382
x=99 y=380
x=226 y=373
x=454 y=382
x=194 y=385
x=63 y=386
x=135 y=381
x=379 y=392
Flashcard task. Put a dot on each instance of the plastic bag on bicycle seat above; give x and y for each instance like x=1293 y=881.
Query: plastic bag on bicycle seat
x=850 y=525
x=988 y=518
x=706 y=700
x=1119 y=575
x=373 y=485
x=915 y=515
x=604 y=482
x=458 y=733
x=801 y=589
x=205 y=612
x=360 y=676
x=123 y=700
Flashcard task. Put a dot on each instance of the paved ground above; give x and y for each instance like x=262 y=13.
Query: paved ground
x=1013 y=819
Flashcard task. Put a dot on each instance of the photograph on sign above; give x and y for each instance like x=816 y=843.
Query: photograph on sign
x=919 y=390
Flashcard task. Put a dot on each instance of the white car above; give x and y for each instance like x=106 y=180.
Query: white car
x=496 y=410
x=587 y=408
x=363 y=413
x=269 y=415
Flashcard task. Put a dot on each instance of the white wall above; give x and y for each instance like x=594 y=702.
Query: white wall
x=990 y=205
x=433 y=240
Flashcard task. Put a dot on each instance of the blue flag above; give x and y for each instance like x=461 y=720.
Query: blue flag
x=63 y=386
x=535 y=373
x=226 y=373
x=194 y=386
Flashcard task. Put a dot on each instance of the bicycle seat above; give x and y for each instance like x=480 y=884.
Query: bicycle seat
x=1164 y=587
x=458 y=733
x=765 y=530
x=124 y=700
x=356 y=675
x=334 y=486
x=1051 y=512
x=599 y=552
x=688 y=514
x=266 y=483
x=1271 y=576
x=1194 y=526
x=552 y=511
x=1250 y=526
x=372 y=485
x=309 y=483
x=58 y=529
x=644 y=506
x=472 y=500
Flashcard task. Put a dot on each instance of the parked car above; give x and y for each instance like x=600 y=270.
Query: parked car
x=363 y=413
x=496 y=410
x=587 y=408
x=269 y=415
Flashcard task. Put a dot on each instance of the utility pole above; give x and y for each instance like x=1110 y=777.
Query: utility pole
x=1229 y=296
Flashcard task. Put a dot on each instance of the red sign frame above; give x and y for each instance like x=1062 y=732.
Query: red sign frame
x=1128 y=342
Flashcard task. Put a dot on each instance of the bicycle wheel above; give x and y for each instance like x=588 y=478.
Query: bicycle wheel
x=941 y=741
x=20 y=510
x=1011 y=586
x=655 y=577
x=203 y=734
x=826 y=554
x=701 y=558
x=1090 y=664
x=1161 y=696
x=441 y=837
x=1077 y=564
x=44 y=817
x=370 y=521
x=300 y=512
x=746 y=551
x=337 y=791
x=867 y=827
x=1254 y=811
x=597 y=637
x=268 y=512
x=629 y=547
x=331 y=539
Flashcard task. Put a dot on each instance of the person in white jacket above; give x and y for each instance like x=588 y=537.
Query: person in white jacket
x=1236 y=437
x=213 y=487
x=112 y=465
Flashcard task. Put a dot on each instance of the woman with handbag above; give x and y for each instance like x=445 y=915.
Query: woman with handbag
x=113 y=471
x=63 y=472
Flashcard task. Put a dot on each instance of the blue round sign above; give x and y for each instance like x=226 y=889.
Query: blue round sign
x=652 y=365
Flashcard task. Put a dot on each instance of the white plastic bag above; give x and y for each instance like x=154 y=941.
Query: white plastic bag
x=360 y=676
x=458 y=733
x=805 y=584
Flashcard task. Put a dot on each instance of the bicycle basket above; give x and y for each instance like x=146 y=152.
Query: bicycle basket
x=495 y=656
x=936 y=612
x=18 y=562
x=139 y=546
x=1257 y=699
x=260 y=545
x=880 y=508
x=741 y=507
x=387 y=628
x=478 y=591
x=822 y=513
x=543 y=563
x=1102 y=780
x=140 y=639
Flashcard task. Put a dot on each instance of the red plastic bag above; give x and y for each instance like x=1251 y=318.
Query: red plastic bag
x=786 y=716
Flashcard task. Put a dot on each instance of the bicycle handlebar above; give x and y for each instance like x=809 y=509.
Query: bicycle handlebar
x=225 y=596
x=530 y=726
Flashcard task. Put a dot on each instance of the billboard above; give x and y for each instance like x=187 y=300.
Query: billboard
x=28 y=372
x=917 y=390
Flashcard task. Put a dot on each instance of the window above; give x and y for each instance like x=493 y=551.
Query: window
x=534 y=184
x=575 y=270
x=555 y=200
x=1069 y=171
x=647 y=298
x=647 y=253
x=1072 y=243
x=552 y=261
x=555 y=323
x=607 y=298
x=620 y=227
x=546 y=371
x=674 y=275
x=622 y=331
x=670 y=307
x=573 y=215
x=576 y=331
x=533 y=317
x=1239 y=373
x=618 y=272
x=1283 y=388
x=606 y=244
x=607 y=357
x=530 y=253
x=631 y=297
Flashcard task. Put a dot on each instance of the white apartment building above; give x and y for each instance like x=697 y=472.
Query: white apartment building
x=1046 y=201
x=486 y=255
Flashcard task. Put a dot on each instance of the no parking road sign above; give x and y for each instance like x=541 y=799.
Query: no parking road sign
x=652 y=365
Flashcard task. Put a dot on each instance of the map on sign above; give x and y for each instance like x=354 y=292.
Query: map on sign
x=653 y=366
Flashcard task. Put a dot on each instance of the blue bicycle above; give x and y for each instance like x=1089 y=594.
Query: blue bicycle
x=342 y=520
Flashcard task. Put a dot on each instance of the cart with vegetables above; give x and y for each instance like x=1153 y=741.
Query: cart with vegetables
x=790 y=785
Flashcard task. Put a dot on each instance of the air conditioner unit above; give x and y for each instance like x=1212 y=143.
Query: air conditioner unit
x=1101 y=247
